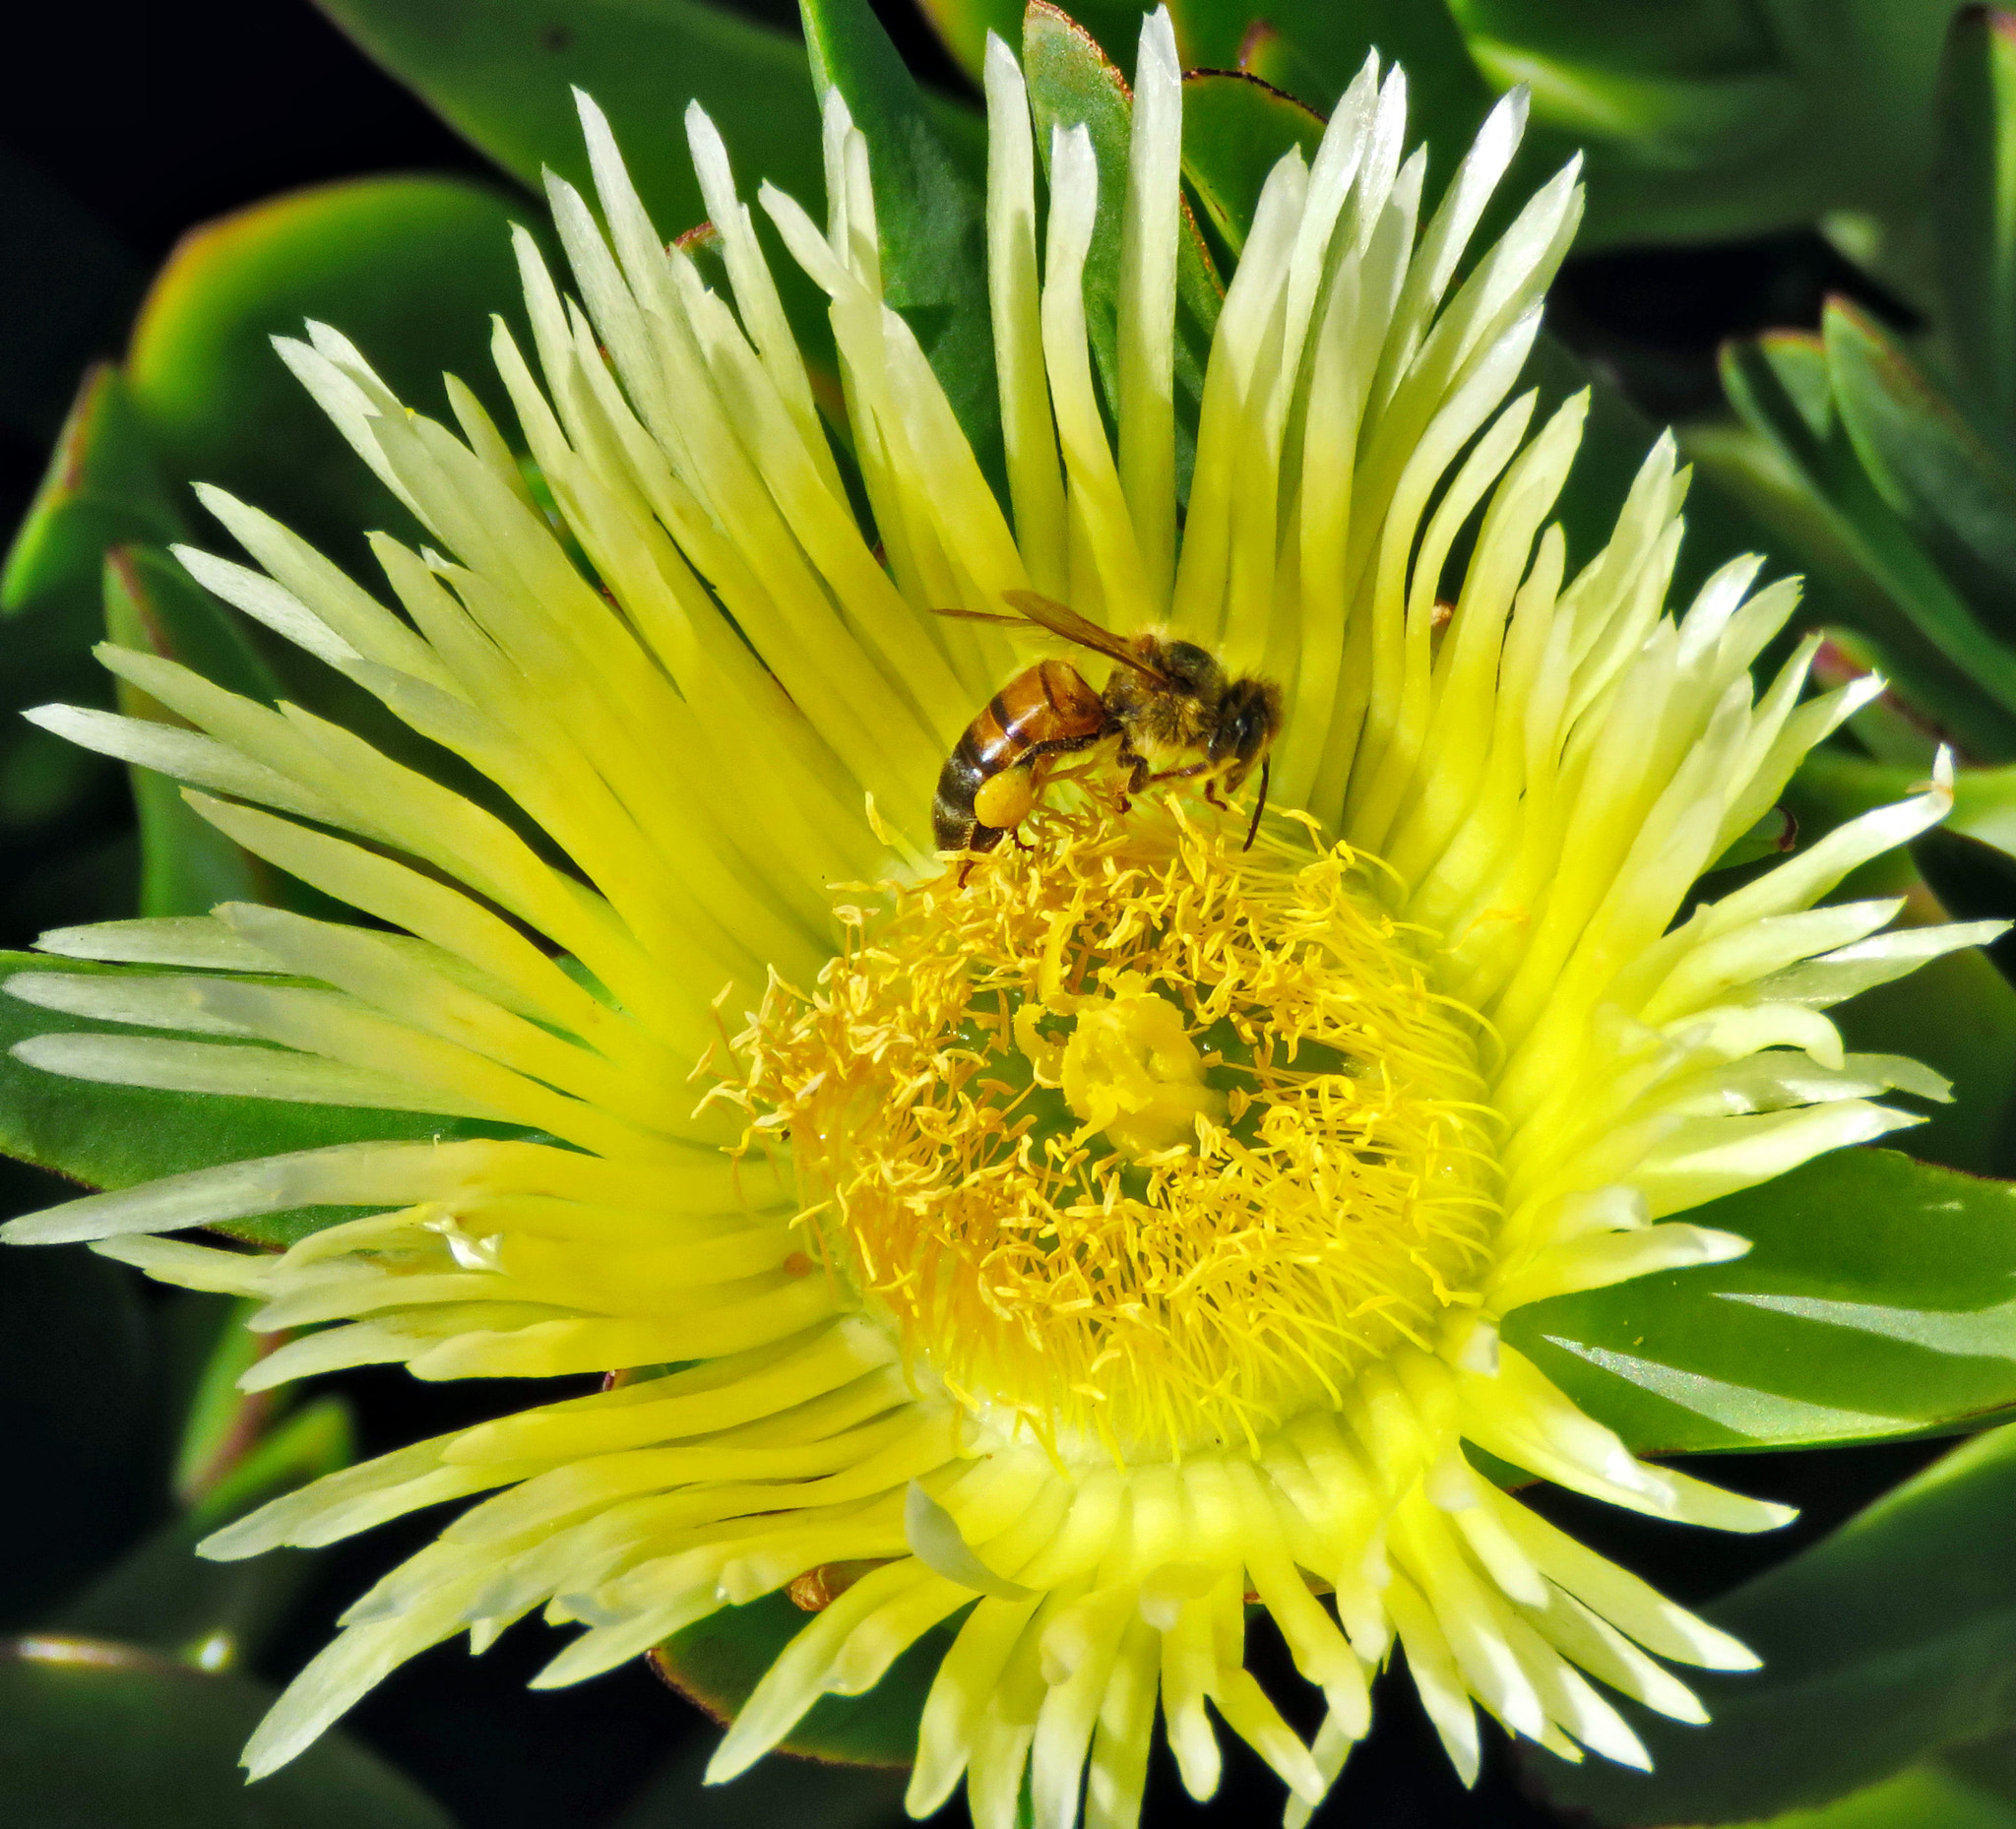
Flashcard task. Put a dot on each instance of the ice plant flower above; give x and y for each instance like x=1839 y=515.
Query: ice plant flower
x=1080 y=1255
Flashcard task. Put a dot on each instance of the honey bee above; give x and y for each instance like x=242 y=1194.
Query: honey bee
x=1164 y=699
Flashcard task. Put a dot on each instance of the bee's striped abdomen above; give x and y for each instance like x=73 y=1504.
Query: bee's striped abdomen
x=1044 y=710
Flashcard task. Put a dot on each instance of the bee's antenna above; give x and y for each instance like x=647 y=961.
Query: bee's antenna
x=1259 y=805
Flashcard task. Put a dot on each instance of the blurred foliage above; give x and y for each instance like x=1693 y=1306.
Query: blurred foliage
x=1875 y=448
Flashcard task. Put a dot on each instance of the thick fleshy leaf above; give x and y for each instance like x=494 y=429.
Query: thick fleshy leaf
x=116 y=1136
x=101 y=1735
x=1888 y=1641
x=1072 y=82
x=1805 y=479
x=717 y=1663
x=103 y=484
x=1928 y=463
x=1974 y=209
x=1988 y=1766
x=409 y=269
x=503 y=73
x=1235 y=130
x=930 y=209
x=1312 y=48
x=1707 y=120
x=1875 y=1302
x=1923 y=1797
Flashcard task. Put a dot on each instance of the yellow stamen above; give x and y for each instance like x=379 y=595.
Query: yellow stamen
x=1140 y=1142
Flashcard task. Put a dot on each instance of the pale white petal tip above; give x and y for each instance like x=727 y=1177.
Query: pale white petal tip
x=730 y=1761
x=1719 y=1651
x=1159 y=41
x=1766 y=1515
x=50 y=1225
x=51 y=717
x=1717 y=1247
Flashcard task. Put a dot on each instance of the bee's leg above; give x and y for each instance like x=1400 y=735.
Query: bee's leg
x=1138 y=776
x=1182 y=775
x=1260 y=804
x=1021 y=843
x=966 y=870
x=1211 y=793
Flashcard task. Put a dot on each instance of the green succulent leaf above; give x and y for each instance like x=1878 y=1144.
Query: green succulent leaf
x=930 y=209
x=409 y=269
x=1313 y=48
x=1874 y=1304
x=503 y=73
x=1235 y=130
x=103 y=486
x=1804 y=476
x=717 y=1664
x=117 y=1136
x=103 y=483
x=1974 y=209
x=1923 y=1797
x=95 y=1734
x=1711 y=119
x=1927 y=463
x=1888 y=1641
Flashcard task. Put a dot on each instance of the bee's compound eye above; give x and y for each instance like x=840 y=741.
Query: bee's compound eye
x=1004 y=801
x=1246 y=724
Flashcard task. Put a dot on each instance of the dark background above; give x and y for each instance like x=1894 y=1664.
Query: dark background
x=148 y=119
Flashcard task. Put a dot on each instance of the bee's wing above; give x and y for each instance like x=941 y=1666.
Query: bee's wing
x=1060 y=620
x=980 y=615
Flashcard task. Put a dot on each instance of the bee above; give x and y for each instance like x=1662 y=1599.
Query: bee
x=1164 y=699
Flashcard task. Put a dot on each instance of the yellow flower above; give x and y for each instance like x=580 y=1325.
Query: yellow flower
x=1087 y=1243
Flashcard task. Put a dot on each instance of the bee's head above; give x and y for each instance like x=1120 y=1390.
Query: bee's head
x=1248 y=715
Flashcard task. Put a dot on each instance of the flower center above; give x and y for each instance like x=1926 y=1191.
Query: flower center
x=1130 y=1068
x=1138 y=1142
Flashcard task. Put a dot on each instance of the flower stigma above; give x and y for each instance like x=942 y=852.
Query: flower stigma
x=1140 y=1142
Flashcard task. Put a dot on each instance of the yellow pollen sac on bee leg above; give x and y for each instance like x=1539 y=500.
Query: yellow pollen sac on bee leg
x=1004 y=801
x=1129 y=1067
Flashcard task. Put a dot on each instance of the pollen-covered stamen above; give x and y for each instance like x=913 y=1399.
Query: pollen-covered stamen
x=1140 y=1141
